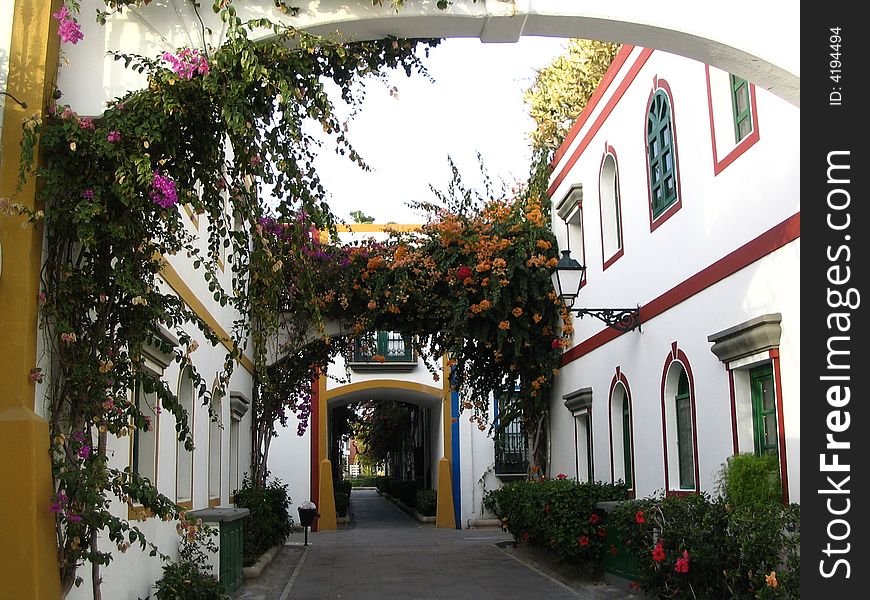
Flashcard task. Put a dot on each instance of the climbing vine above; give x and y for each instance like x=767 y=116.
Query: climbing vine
x=210 y=128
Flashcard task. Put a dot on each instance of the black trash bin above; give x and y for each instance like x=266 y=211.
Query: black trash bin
x=306 y=519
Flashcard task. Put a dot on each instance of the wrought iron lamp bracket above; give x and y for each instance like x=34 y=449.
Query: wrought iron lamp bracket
x=621 y=319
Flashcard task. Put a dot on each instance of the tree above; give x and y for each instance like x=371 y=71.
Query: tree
x=359 y=216
x=562 y=89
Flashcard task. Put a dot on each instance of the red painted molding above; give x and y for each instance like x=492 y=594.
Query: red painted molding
x=745 y=143
x=768 y=242
x=610 y=151
x=605 y=112
x=678 y=356
x=780 y=417
x=619 y=378
x=608 y=78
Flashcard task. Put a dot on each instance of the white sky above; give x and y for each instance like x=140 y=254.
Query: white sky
x=475 y=104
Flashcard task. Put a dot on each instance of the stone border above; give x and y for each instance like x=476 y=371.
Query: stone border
x=257 y=568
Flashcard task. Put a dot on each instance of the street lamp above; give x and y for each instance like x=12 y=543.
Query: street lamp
x=568 y=275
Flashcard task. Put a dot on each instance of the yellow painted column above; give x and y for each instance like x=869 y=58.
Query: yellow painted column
x=445 y=517
x=28 y=566
x=328 y=521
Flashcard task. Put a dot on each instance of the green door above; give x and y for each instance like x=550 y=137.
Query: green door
x=764 y=410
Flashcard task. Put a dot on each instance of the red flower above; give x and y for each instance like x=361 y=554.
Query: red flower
x=601 y=532
x=561 y=476
x=658 y=553
x=463 y=272
x=584 y=541
x=682 y=564
x=525 y=536
x=594 y=518
x=613 y=550
x=638 y=517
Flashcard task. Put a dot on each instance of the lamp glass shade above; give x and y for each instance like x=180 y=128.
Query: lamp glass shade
x=567 y=276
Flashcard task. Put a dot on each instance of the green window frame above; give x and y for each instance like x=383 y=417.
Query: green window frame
x=661 y=154
x=741 y=107
x=685 y=444
x=764 y=416
x=392 y=345
x=626 y=442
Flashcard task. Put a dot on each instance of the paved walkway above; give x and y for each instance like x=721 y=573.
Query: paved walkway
x=386 y=555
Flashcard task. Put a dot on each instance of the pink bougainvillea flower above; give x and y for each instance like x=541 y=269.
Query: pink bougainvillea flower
x=84 y=451
x=87 y=123
x=68 y=29
x=561 y=476
x=73 y=518
x=163 y=191
x=658 y=553
x=682 y=564
x=187 y=63
x=639 y=518
x=113 y=137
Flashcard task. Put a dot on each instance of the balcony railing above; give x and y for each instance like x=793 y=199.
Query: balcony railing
x=511 y=460
x=383 y=350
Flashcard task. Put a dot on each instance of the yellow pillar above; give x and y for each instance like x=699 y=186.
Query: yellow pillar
x=328 y=520
x=445 y=517
x=28 y=567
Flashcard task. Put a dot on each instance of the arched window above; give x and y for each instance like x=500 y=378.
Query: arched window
x=611 y=214
x=685 y=444
x=183 y=456
x=661 y=154
x=678 y=424
x=621 y=434
x=215 y=431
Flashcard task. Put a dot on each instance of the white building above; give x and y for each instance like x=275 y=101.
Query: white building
x=678 y=189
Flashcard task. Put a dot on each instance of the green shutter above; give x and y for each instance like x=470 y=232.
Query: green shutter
x=741 y=108
x=685 y=445
x=626 y=442
x=764 y=410
x=662 y=158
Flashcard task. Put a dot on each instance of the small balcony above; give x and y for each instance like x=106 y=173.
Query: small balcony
x=511 y=459
x=383 y=351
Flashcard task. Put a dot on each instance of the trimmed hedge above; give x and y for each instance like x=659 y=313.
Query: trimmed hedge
x=270 y=521
x=426 y=502
x=557 y=514
x=696 y=546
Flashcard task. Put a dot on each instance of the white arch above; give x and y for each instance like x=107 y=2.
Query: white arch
x=759 y=41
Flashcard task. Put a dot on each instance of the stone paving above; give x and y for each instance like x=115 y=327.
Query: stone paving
x=386 y=555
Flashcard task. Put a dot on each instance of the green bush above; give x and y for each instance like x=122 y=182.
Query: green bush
x=367 y=481
x=185 y=581
x=697 y=547
x=426 y=502
x=381 y=482
x=749 y=480
x=404 y=491
x=558 y=515
x=190 y=578
x=270 y=521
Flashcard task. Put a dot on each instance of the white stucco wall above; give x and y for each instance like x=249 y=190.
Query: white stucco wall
x=720 y=213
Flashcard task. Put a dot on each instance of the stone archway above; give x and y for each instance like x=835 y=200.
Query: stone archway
x=736 y=37
x=419 y=394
